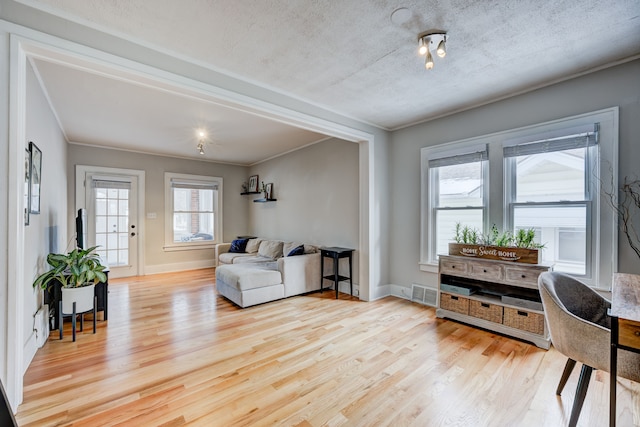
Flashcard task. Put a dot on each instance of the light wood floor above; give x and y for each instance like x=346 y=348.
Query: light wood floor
x=174 y=353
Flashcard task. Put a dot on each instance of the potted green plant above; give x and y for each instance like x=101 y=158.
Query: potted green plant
x=78 y=272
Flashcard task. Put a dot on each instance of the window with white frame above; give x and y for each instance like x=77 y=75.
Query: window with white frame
x=546 y=177
x=192 y=211
x=457 y=193
x=549 y=185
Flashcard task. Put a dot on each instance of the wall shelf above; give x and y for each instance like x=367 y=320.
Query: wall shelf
x=250 y=192
x=263 y=200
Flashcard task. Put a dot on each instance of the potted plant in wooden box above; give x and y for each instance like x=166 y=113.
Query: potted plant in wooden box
x=78 y=272
x=518 y=247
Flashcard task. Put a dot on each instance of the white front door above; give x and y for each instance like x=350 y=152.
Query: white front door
x=111 y=204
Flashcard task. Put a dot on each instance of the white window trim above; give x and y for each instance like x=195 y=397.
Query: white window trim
x=605 y=227
x=169 y=244
x=428 y=258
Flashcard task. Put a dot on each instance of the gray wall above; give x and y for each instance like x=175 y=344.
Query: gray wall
x=235 y=215
x=616 y=86
x=318 y=194
x=47 y=231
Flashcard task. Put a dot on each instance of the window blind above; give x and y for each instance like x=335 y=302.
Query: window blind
x=568 y=142
x=119 y=185
x=458 y=159
x=198 y=185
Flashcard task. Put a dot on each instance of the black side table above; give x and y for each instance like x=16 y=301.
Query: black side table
x=336 y=253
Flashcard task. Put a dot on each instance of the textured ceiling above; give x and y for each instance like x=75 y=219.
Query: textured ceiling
x=349 y=57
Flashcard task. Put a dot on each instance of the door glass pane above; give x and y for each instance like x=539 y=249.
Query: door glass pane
x=123 y=257
x=555 y=176
x=112 y=225
x=101 y=207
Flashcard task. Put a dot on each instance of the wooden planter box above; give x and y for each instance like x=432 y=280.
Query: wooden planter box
x=529 y=256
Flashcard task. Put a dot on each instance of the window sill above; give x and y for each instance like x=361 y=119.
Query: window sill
x=188 y=247
x=428 y=267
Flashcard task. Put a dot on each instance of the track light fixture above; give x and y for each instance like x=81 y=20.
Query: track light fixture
x=435 y=41
x=201 y=137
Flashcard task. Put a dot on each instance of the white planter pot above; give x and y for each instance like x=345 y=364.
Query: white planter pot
x=83 y=297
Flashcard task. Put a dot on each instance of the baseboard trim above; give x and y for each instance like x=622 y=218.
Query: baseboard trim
x=174 y=268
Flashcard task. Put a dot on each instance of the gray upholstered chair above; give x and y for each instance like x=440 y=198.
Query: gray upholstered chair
x=580 y=329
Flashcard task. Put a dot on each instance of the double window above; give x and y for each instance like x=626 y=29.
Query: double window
x=546 y=178
x=192 y=211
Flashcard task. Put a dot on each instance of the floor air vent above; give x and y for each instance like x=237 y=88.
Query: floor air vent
x=424 y=295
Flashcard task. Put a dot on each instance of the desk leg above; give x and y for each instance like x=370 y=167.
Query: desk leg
x=613 y=371
x=336 y=279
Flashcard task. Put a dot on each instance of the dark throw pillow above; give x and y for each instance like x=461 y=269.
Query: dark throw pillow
x=238 y=246
x=296 y=251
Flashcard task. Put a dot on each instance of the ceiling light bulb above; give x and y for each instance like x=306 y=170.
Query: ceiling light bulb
x=442 y=50
x=428 y=64
x=201 y=134
x=201 y=151
x=423 y=47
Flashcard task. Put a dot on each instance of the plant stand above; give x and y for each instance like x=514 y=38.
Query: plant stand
x=74 y=302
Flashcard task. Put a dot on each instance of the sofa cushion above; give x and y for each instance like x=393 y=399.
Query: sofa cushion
x=270 y=249
x=289 y=246
x=299 y=250
x=238 y=246
x=310 y=249
x=252 y=259
x=253 y=245
x=230 y=257
x=245 y=277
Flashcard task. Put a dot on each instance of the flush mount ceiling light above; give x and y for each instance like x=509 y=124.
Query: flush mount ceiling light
x=435 y=41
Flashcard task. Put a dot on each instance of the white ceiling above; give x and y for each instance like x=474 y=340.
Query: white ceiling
x=346 y=56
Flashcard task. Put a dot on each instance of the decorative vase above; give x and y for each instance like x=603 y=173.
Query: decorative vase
x=82 y=296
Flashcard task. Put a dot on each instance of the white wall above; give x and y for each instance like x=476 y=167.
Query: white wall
x=616 y=86
x=317 y=189
x=47 y=231
x=235 y=214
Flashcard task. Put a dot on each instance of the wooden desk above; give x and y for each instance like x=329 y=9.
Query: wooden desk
x=625 y=327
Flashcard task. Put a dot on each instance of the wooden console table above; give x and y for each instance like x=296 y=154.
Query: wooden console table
x=625 y=327
x=501 y=296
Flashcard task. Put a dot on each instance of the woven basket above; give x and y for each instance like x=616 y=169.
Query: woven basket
x=486 y=311
x=524 y=320
x=454 y=303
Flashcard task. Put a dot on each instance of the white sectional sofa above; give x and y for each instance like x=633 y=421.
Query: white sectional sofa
x=266 y=270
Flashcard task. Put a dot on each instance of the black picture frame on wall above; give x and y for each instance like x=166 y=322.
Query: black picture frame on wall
x=35 y=178
x=27 y=185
